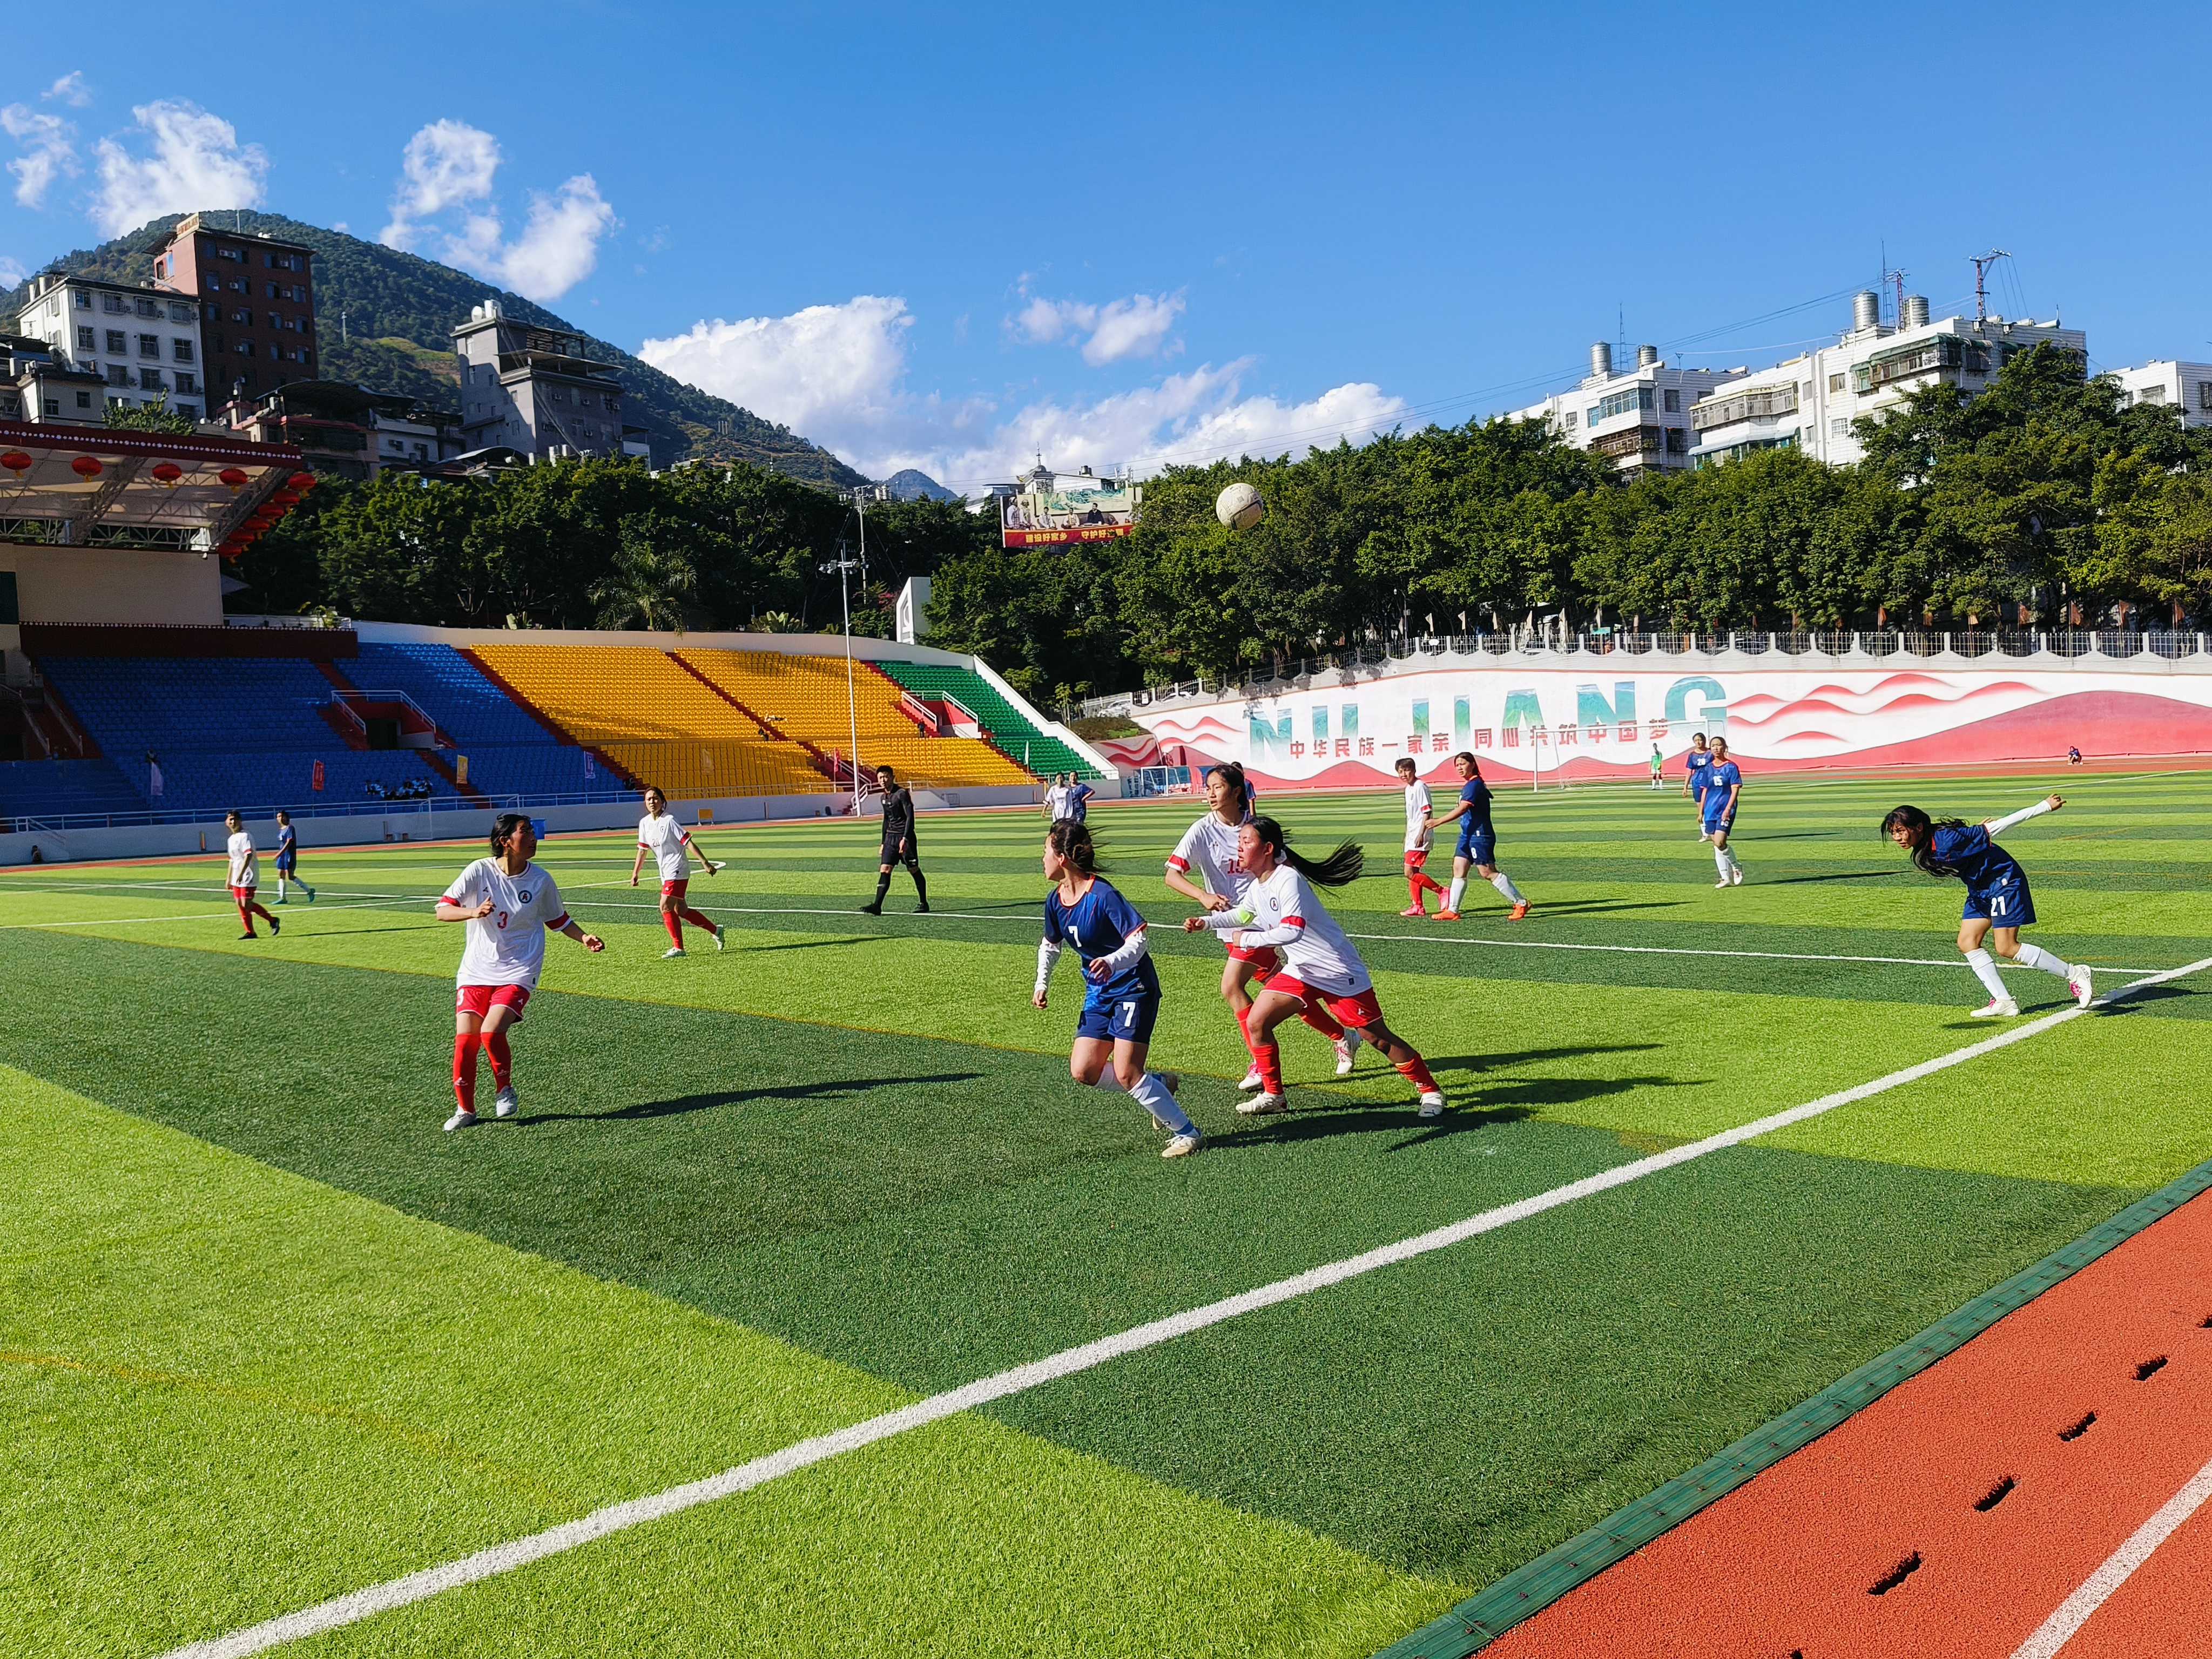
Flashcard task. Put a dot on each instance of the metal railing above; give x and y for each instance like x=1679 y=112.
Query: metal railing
x=1441 y=650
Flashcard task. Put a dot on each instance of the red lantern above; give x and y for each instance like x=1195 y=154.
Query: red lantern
x=17 y=462
x=233 y=478
x=85 y=467
x=302 y=480
x=167 y=473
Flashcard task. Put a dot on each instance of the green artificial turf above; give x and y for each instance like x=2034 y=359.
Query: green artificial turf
x=848 y=1147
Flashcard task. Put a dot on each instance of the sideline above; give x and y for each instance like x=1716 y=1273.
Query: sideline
x=506 y=1558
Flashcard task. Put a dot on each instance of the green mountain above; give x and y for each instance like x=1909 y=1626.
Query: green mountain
x=384 y=318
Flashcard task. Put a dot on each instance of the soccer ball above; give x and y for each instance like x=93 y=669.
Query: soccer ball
x=1244 y=915
x=1240 y=507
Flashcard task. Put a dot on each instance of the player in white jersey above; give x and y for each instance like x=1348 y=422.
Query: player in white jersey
x=661 y=834
x=1420 y=832
x=1203 y=867
x=1281 y=910
x=507 y=903
x=245 y=875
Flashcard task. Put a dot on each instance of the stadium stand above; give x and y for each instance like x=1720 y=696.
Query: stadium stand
x=39 y=789
x=230 y=732
x=805 y=699
x=1015 y=736
x=509 y=752
x=654 y=718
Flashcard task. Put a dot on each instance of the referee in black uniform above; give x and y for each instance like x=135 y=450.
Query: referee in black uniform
x=899 y=845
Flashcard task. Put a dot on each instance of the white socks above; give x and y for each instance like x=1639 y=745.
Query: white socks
x=1503 y=884
x=2034 y=955
x=1152 y=1095
x=1985 y=969
x=1458 y=892
x=1723 y=860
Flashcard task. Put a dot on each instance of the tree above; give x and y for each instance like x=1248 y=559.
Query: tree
x=153 y=416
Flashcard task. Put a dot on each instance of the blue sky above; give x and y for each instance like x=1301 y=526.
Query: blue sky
x=957 y=236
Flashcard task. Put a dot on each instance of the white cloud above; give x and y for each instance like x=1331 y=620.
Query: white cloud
x=11 y=271
x=444 y=165
x=449 y=165
x=197 y=163
x=1132 y=327
x=836 y=374
x=70 y=89
x=48 y=152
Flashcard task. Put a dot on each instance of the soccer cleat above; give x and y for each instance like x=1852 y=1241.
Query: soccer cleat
x=1445 y=915
x=1184 y=1146
x=1253 y=1079
x=871 y=909
x=506 y=1103
x=672 y=951
x=461 y=1120
x=245 y=936
x=1723 y=882
x=1520 y=909
x=1997 y=1008
x=283 y=900
x=922 y=907
x=1170 y=1081
x=1415 y=911
x=1704 y=836
x=719 y=943
x=1735 y=875
x=311 y=894
x=275 y=926
x=1433 y=1103
x=2078 y=983
x=1348 y=1047
x=1262 y=1106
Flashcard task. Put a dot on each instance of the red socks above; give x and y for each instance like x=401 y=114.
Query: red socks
x=696 y=920
x=464 y=1069
x=1322 y=1021
x=1244 y=1029
x=1269 y=1059
x=501 y=1058
x=1416 y=1072
x=1417 y=883
x=668 y=920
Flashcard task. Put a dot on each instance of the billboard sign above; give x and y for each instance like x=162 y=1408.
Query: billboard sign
x=1089 y=511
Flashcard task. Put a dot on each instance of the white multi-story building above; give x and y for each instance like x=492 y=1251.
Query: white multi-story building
x=1639 y=416
x=2186 y=386
x=139 y=341
x=1809 y=402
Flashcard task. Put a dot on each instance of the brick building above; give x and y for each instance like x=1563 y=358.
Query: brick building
x=256 y=300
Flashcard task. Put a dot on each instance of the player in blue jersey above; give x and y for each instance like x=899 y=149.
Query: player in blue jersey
x=1998 y=904
x=287 y=858
x=1695 y=765
x=1723 y=784
x=1477 y=843
x=1121 y=998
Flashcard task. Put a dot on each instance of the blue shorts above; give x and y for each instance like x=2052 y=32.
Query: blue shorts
x=1718 y=819
x=286 y=862
x=2005 y=901
x=1127 y=1020
x=1478 y=846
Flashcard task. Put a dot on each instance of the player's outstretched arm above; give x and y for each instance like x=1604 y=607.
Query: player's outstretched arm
x=2048 y=804
x=590 y=942
x=1178 y=882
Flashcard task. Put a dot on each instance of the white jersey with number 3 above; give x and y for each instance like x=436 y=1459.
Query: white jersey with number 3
x=1287 y=914
x=506 y=947
x=664 y=837
x=1419 y=831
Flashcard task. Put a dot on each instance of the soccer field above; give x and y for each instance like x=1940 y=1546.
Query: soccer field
x=272 y=1338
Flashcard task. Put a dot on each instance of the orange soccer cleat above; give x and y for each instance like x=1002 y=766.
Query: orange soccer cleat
x=1445 y=915
x=1520 y=909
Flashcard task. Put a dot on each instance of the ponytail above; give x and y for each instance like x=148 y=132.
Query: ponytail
x=1338 y=869
x=1071 y=841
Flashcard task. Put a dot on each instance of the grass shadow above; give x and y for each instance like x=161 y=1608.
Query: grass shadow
x=804 y=945
x=1842 y=875
x=827 y=1089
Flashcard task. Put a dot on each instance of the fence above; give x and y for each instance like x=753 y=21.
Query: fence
x=60 y=823
x=1525 y=645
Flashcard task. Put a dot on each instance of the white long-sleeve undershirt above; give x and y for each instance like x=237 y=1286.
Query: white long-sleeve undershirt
x=1998 y=826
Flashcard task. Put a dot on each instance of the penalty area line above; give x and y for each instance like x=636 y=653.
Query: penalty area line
x=501 y=1558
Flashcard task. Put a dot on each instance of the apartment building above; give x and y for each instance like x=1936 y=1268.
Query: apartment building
x=256 y=299
x=1638 y=416
x=108 y=342
x=532 y=390
x=35 y=386
x=2186 y=386
x=1810 y=401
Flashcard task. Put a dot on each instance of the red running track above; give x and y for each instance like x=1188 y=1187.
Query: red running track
x=1790 y=1564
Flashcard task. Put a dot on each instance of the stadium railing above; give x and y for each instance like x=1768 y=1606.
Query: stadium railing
x=59 y=822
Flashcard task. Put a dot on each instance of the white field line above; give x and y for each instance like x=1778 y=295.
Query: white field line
x=616 y=1517
x=192 y=915
x=2073 y=1612
x=1025 y=918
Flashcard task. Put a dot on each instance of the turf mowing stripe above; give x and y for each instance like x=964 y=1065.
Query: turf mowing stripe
x=507 y=1558
x=1482 y=1618
x=2096 y=1591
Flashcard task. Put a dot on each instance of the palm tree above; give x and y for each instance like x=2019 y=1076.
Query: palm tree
x=648 y=587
